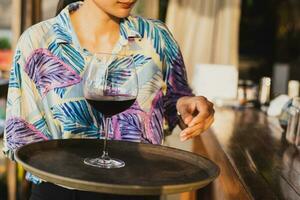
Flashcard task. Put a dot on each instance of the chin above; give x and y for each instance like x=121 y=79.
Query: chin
x=122 y=13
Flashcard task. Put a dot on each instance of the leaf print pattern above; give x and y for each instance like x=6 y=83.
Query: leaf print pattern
x=174 y=72
x=119 y=71
x=76 y=118
x=15 y=76
x=140 y=60
x=19 y=132
x=48 y=72
x=69 y=55
x=157 y=115
x=128 y=124
x=147 y=29
x=136 y=125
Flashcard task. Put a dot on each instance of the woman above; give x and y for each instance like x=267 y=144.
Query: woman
x=45 y=98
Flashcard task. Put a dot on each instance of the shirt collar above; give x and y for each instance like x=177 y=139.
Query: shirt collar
x=65 y=33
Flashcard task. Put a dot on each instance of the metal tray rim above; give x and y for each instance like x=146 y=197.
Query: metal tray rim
x=118 y=189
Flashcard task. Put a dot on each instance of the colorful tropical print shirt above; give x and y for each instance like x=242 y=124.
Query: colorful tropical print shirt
x=45 y=98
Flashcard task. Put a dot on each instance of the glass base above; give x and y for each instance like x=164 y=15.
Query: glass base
x=108 y=163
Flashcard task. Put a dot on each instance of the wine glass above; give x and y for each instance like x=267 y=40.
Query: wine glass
x=110 y=85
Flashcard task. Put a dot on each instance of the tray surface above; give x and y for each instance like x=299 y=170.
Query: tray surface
x=149 y=169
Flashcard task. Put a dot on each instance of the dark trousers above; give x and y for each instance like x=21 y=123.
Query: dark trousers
x=49 y=191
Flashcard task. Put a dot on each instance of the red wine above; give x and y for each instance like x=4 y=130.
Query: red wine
x=111 y=105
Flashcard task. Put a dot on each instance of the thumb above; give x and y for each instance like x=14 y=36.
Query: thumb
x=185 y=115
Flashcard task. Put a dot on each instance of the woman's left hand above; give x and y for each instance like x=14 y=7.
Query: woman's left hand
x=197 y=113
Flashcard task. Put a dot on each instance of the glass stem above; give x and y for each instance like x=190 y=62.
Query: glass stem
x=106 y=128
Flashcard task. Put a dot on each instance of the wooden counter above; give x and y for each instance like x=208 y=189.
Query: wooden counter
x=255 y=162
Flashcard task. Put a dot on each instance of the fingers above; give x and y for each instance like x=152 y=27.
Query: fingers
x=205 y=110
x=185 y=113
x=197 y=132
x=197 y=129
x=197 y=113
x=210 y=116
x=186 y=132
x=186 y=116
x=196 y=124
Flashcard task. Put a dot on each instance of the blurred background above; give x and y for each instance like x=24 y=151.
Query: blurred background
x=227 y=45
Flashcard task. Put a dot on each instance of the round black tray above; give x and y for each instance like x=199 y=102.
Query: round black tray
x=149 y=169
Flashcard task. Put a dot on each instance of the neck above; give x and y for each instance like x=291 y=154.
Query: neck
x=95 y=19
x=92 y=23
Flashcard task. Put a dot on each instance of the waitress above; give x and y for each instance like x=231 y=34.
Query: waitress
x=45 y=97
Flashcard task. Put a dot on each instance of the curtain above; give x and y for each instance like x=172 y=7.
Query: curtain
x=206 y=30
